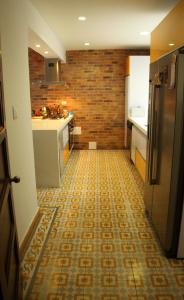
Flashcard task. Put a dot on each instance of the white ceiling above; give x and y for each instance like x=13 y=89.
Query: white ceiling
x=110 y=24
x=34 y=39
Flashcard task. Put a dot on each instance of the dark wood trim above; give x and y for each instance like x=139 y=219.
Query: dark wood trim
x=4 y=194
x=32 y=228
x=11 y=244
x=2 y=134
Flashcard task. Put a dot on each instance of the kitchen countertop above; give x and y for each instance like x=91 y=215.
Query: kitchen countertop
x=50 y=124
x=140 y=123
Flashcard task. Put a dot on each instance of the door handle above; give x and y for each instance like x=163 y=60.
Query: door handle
x=152 y=135
x=155 y=141
x=150 y=132
x=152 y=166
x=14 y=179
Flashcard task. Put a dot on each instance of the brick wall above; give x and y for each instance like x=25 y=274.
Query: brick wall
x=95 y=92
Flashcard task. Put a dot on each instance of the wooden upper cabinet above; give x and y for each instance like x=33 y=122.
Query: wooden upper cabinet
x=169 y=31
x=127 y=66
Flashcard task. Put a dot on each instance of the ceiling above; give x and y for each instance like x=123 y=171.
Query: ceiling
x=34 y=41
x=110 y=24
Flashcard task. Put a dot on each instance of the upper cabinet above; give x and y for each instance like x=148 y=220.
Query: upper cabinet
x=169 y=34
x=137 y=85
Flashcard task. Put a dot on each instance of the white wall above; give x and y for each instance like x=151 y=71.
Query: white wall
x=139 y=82
x=17 y=18
x=37 y=24
x=17 y=94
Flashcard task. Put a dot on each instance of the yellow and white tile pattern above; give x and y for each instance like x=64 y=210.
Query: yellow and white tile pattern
x=101 y=246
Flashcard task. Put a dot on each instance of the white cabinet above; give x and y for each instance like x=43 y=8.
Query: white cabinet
x=63 y=139
x=133 y=144
x=47 y=158
x=50 y=140
x=138 y=151
x=65 y=136
x=139 y=142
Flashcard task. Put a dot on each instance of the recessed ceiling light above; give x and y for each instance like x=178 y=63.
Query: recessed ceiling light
x=86 y=43
x=144 y=33
x=46 y=52
x=37 y=46
x=171 y=44
x=82 y=18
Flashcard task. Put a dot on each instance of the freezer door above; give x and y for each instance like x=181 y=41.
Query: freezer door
x=148 y=188
x=175 y=221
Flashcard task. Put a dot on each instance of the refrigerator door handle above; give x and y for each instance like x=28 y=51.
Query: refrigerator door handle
x=155 y=141
x=150 y=132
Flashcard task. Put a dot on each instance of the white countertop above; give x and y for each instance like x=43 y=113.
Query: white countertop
x=140 y=123
x=50 y=124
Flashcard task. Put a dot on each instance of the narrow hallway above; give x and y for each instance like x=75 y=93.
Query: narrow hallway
x=93 y=241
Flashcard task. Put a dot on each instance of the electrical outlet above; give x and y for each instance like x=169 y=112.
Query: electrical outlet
x=92 y=145
x=77 y=130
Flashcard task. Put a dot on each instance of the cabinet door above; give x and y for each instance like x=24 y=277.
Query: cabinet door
x=61 y=153
x=65 y=145
x=140 y=164
x=65 y=136
x=139 y=141
x=133 y=144
x=66 y=153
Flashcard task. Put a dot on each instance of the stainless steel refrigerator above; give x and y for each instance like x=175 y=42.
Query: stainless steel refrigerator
x=164 y=185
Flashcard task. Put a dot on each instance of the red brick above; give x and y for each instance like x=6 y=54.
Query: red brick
x=95 y=92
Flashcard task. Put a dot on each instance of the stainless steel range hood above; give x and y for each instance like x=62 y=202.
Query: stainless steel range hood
x=52 y=70
x=52 y=73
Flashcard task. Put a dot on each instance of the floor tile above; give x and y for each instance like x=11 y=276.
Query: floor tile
x=95 y=242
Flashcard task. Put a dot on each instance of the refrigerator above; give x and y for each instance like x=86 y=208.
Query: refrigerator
x=164 y=186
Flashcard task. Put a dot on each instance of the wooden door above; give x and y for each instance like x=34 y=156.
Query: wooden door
x=10 y=287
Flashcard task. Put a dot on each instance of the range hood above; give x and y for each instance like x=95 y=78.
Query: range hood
x=52 y=72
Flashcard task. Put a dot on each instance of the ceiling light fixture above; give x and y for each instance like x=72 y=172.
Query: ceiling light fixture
x=86 y=44
x=82 y=18
x=144 y=33
x=37 y=46
x=171 y=44
x=46 y=52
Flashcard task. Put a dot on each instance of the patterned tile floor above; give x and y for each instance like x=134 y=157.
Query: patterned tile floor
x=100 y=245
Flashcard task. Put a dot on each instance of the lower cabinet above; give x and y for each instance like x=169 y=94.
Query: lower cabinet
x=138 y=150
x=66 y=153
x=51 y=152
x=140 y=164
x=65 y=145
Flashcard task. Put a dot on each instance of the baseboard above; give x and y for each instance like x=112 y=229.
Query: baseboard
x=25 y=243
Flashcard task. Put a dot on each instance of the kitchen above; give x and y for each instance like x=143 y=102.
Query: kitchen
x=89 y=237
x=98 y=105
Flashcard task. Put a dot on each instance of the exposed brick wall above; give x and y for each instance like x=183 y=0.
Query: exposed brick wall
x=95 y=92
